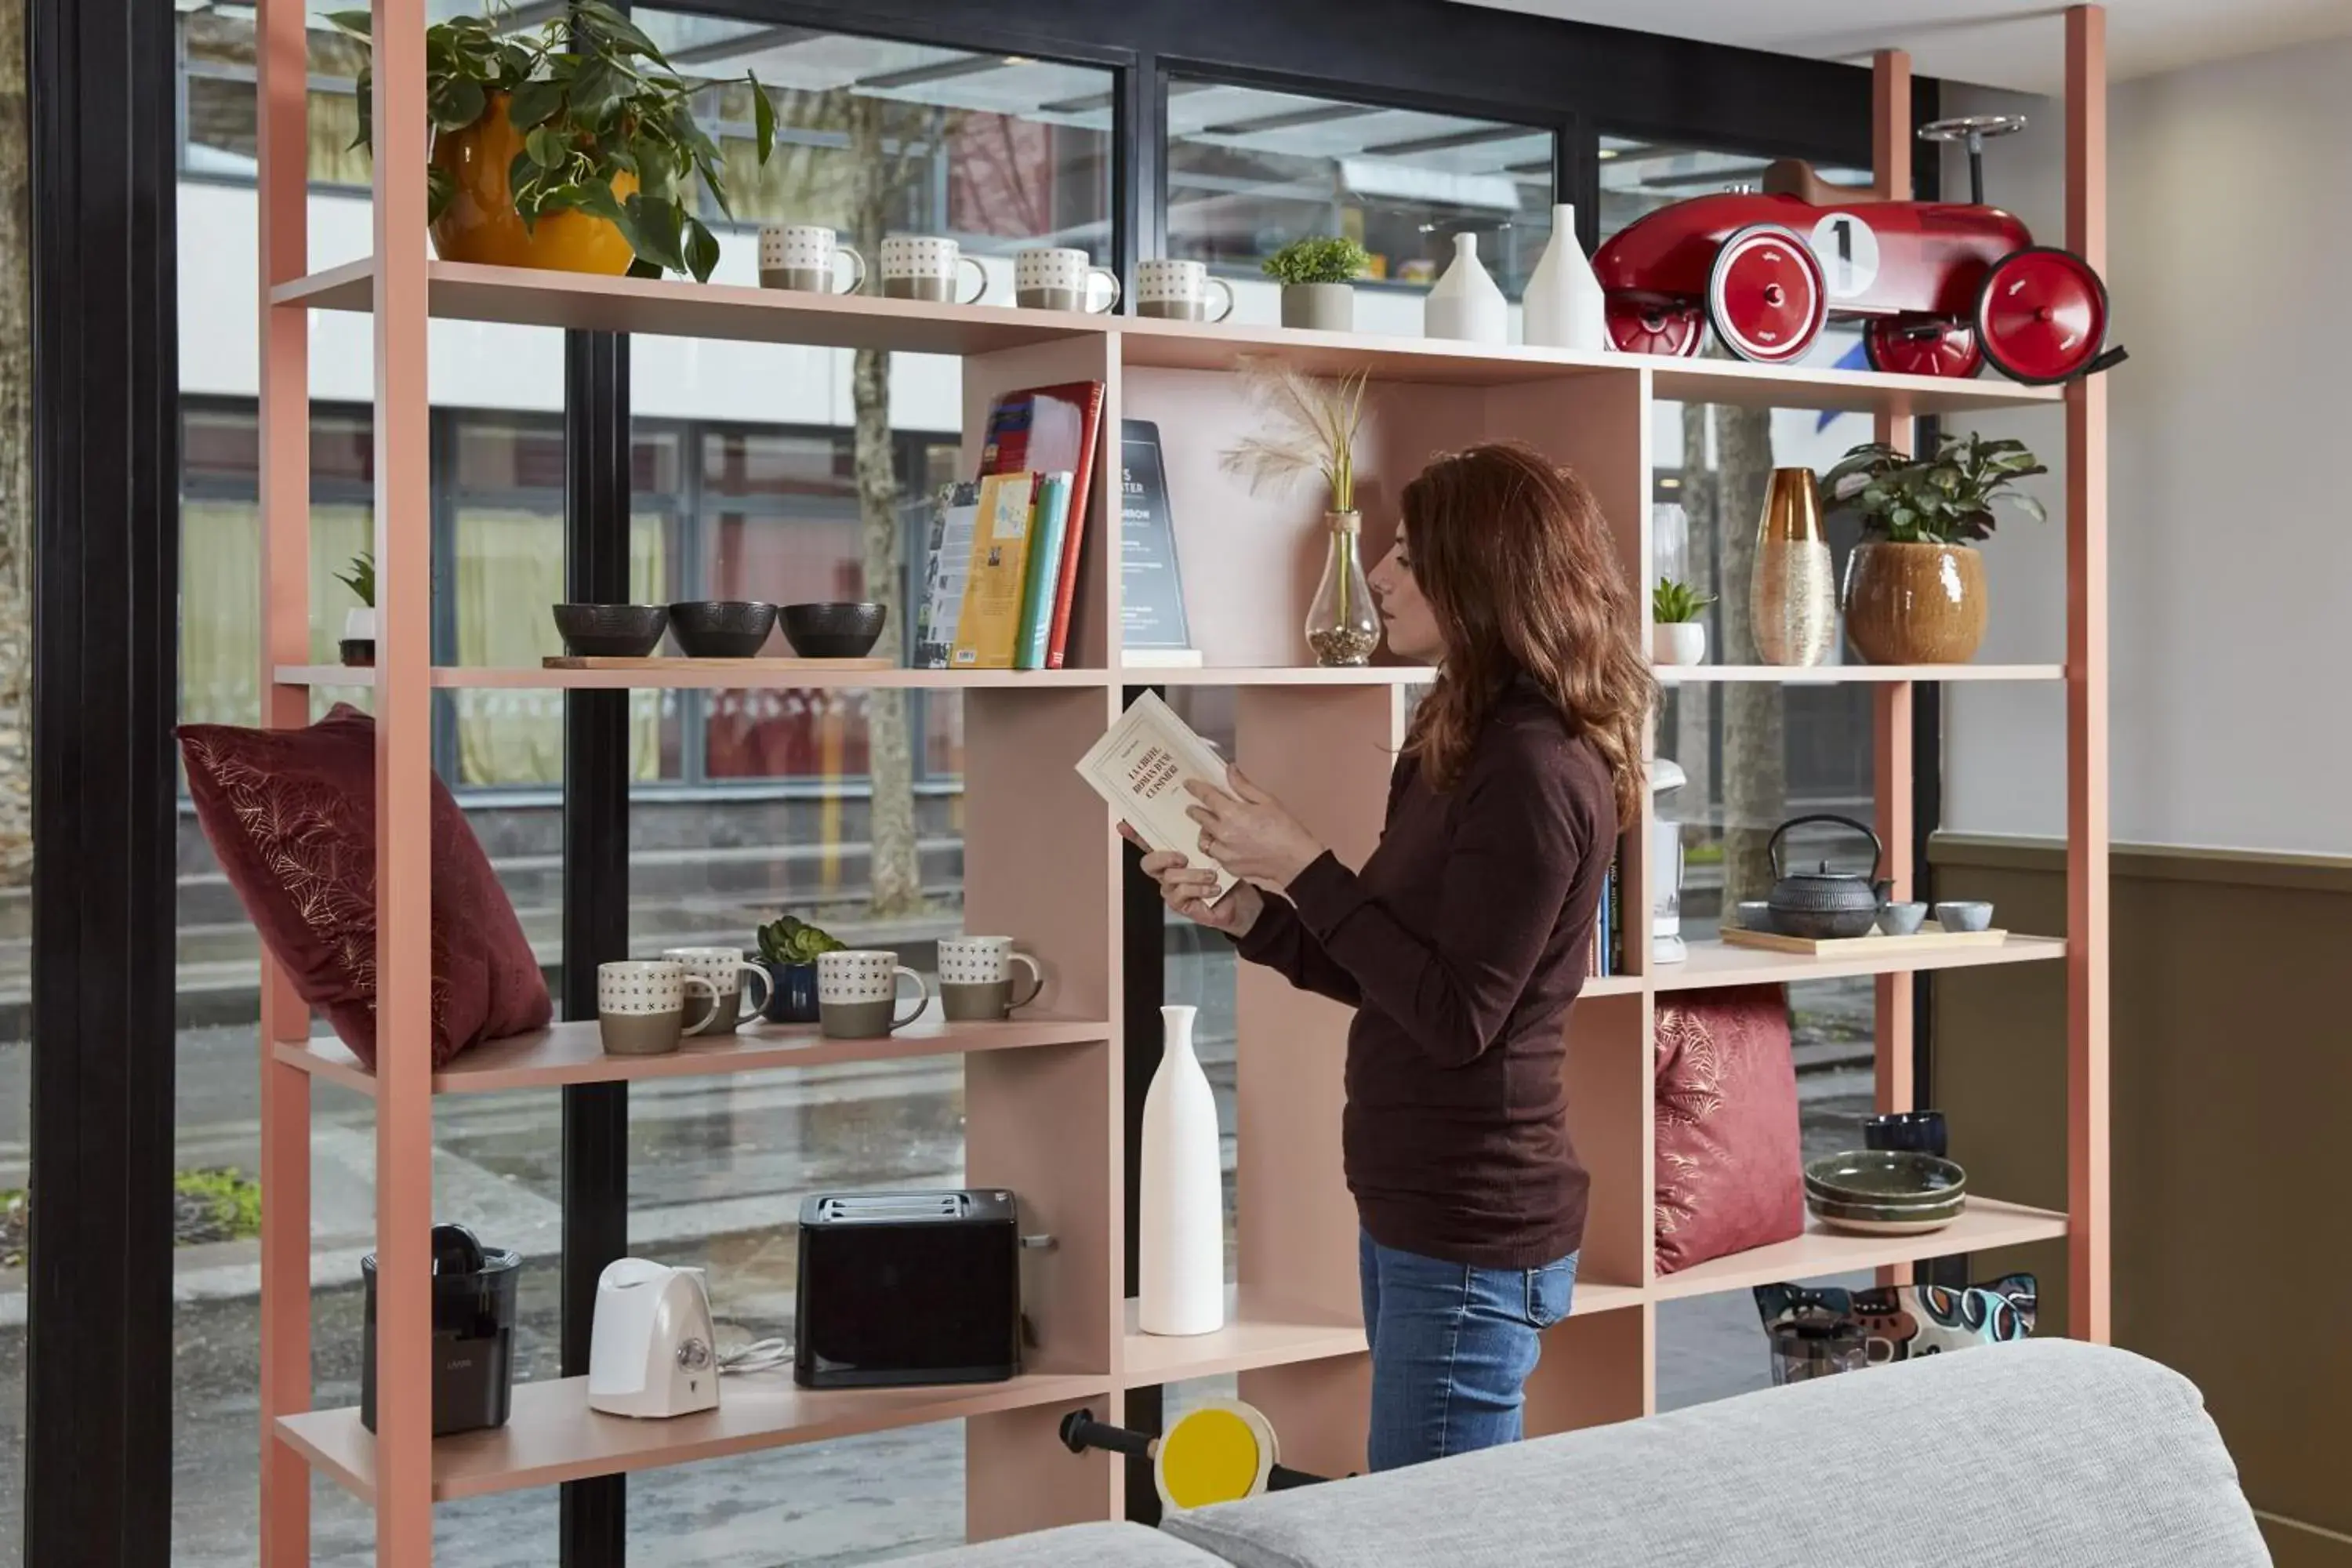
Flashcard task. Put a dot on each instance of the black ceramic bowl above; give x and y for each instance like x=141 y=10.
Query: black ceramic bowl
x=611 y=631
x=834 y=631
x=721 y=628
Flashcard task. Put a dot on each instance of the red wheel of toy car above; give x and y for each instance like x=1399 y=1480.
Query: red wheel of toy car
x=2041 y=315
x=1647 y=327
x=1910 y=346
x=1765 y=296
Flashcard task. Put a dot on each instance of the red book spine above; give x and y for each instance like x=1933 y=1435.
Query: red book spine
x=1081 y=491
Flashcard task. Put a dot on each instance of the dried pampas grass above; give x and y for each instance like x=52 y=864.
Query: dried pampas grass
x=1312 y=425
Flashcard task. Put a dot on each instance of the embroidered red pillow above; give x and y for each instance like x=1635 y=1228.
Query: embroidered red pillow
x=1730 y=1159
x=291 y=817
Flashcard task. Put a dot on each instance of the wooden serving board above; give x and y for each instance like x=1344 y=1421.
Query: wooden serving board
x=747 y=665
x=1927 y=936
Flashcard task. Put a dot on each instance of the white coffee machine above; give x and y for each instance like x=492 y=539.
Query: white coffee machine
x=1667 y=776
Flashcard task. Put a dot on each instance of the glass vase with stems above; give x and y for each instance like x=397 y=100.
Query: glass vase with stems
x=1311 y=428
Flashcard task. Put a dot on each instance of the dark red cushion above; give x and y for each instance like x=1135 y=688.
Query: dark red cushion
x=292 y=816
x=1731 y=1161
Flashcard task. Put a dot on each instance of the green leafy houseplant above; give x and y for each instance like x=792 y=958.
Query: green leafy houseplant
x=1322 y=259
x=360 y=577
x=1672 y=602
x=1946 y=498
x=593 y=99
x=791 y=940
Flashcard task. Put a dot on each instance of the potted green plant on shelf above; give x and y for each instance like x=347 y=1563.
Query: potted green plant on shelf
x=359 y=622
x=789 y=948
x=1915 y=588
x=1310 y=428
x=1318 y=277
x=569 y=145
x=1677 y=635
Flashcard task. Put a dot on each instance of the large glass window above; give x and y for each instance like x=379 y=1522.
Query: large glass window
x=1251 y=169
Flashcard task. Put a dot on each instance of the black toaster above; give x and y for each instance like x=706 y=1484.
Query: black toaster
x=907 y=1288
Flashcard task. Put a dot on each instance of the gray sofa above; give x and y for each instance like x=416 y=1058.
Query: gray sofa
x=2042 y=1455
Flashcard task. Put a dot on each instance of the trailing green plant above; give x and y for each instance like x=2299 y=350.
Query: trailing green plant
x=1946 y=498
x=791 y=940
x=1672 y=602
x=360 y=577
x=593 y=99
x=1321 y=259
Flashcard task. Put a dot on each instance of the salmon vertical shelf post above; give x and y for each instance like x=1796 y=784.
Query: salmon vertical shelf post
x=1892 y=755
x=404 y=799
x=2088 y=1237
x=281 y=48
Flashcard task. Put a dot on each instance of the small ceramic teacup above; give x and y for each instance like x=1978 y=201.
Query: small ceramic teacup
x=1964 y=914
x=801 y=257
x=728 y=973
x=1754 y=914
x=1901 y=919
x=976 y=977
x=1179 y=291
x=1920 y=1132
x=923 y=267
x=641 y=1005
x=1057 y=278
x=858 y=991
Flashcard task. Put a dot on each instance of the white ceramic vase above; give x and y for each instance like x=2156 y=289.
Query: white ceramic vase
x=1562 y=308
x=1678 y=642
x=1181 y=1194
x=1466 y=302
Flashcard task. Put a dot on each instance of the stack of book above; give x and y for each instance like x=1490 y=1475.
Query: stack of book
x=1001 y=578
x=1605 y=955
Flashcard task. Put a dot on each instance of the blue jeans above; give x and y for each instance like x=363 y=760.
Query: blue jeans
x=1451 y=1349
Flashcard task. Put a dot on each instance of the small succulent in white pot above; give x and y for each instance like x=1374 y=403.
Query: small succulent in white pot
x=359 y=622
x=1677 y=635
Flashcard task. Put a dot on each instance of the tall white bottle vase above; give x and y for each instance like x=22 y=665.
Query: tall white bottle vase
x=1563 y=306
x=1181 y=1194
x=1466 y=302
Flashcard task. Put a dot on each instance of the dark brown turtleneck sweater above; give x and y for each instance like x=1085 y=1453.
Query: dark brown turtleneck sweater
x=1460 y=945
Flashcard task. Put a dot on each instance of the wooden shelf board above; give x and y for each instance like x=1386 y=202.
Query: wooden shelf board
x=1199 y=345
x=1984 y=1225
x=1593 y=1296
x=1844 y=674
x=1819 y=387
x=700 y=674
x=1712 y=964
x=1260 y=1331
x=551 y=1436
x=678 y=308
x=1611 y=985
x=572 y=1053
x=1278 y=675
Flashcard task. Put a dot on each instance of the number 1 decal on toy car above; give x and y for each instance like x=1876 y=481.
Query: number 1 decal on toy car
x=1847 y=249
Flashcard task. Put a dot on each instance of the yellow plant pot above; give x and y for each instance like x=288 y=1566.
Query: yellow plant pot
x=1914 y=604
x=480 y=224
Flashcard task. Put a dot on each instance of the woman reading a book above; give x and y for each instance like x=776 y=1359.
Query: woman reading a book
x=1462 y=940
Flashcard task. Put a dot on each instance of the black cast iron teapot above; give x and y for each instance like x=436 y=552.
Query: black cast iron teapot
x=1826 y=903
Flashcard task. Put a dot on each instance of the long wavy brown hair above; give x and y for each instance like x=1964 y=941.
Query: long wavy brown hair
x=1519 y=564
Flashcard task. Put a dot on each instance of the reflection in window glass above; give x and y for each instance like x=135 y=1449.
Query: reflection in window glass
x=1250 y=170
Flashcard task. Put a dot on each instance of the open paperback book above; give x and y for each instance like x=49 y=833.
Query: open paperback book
x=1140 y=766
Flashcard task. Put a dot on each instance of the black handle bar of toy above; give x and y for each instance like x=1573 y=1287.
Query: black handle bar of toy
x=1282 y=1478
x=1081 y=1431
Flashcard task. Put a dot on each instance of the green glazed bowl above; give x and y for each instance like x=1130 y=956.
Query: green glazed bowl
x=1884 y=1177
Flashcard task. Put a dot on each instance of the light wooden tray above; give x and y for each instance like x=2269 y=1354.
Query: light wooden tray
x=747 y=665
x=1927 y=936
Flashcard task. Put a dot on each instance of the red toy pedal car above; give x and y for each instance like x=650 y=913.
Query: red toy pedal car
x=1940 y=287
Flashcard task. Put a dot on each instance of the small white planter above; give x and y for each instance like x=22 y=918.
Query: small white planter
x=358 y=625
x=1678 y=642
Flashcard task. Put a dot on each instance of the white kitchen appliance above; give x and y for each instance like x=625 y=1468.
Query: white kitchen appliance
x=652 y=1350
x=1667 y=776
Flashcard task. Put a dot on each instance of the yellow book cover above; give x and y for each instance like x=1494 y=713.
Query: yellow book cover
x=988 y=631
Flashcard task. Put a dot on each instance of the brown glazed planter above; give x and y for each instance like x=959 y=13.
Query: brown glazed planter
x=1914 y=604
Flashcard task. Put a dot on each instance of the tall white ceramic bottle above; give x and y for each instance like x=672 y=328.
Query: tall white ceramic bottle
x=1181 y=1194
x=1563 y=306
x=1465 y=303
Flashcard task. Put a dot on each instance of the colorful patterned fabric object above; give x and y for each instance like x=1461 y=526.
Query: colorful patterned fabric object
x=1730 y=1163
x=291 y=817
x=1902 y=1322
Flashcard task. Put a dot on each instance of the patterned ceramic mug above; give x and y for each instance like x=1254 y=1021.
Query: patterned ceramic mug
x=923 y=267
x=724 y=969
x=1057 y=278
x=858 y=991
x=976 y=977
x=641 y=1005
x=1179 y=291
x=801 y=257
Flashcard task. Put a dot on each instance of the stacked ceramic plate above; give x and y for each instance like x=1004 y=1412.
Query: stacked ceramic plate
x=1886 y=1192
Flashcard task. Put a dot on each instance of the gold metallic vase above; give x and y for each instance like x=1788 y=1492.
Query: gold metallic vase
x=1793 y=597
